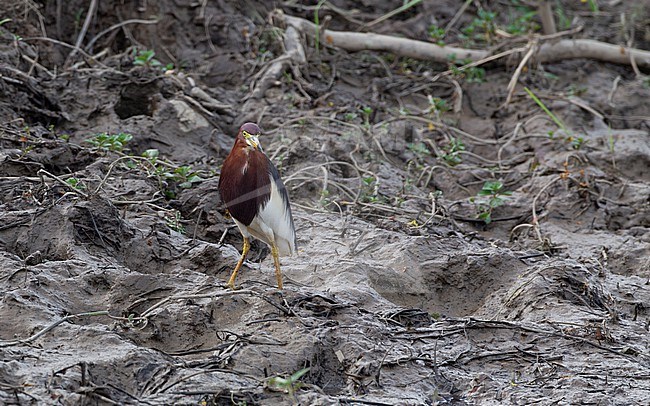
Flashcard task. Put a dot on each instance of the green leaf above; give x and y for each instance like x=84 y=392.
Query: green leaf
x=151 y=153
x=298 y=374
x=485 y=216
x=277 y=381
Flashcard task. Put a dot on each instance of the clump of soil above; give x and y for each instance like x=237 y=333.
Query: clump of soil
x=115 y=249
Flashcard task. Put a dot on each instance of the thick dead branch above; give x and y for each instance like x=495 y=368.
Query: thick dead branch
x=592 y=49
x=357 y=41
x=294 y=53
x=548 y=51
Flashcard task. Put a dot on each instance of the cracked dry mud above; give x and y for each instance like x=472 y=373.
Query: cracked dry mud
x=398 y=294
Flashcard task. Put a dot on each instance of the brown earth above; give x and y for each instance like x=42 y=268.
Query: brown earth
x=112 y=292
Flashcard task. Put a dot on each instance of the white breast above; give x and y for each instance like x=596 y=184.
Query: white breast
x=274 y=223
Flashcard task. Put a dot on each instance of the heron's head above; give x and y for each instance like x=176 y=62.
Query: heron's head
x=250 y=132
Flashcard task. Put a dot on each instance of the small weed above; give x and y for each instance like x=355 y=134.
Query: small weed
x=146 y=58
x=4 y=21
x=437 y=34
x=564 y=21
x=151 y=155
x=470 y=74
x=488 y=198
x=317 y=23
x=288 y=385
x=611 y=142
x=350 y=117
x=574 y=90
x=109 y=142
x=366 y=112
x=77 y=20
x=173 y=220
x=547 y=111
x=26 y=150
x=369 y=194
x=288 y=77
x=452 y=152
x=75 y=183
x=437 y=106
x=646 y=82
x=481 y=29
x=418 y=148
x=28 y=133
x=576 y=142
x=524 y=22
x=185 y=177
x=325 y=198
x=593 y=5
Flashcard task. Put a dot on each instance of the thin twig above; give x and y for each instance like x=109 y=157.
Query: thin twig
x=52 y=326
x=90 y=44
x=402 y=8
x=84 y=29
x=42 y=172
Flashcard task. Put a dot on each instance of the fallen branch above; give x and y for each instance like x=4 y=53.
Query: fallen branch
x=548 y=51
x=294 y=53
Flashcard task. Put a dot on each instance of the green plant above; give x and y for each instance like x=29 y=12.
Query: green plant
x=563 y=20
x=576 y=142
x=325 y=198
x=469 y=73
x=452 y=152
x=574 y=90
x=5 y=20
x=524 y=21
x=437 y=106
x=185 y=177
x=488 y=198
x=481 y=29
x=146 y=58
x=173 y=220
x=418 y=148
x=77 y=20
x=646 y=82
x=366 y=112
x=288 y=77
x=75 y=183
x=317 y=23
x=437 y=34
x=350 y=116
x=109 y=142
x=369 y=193
x=547 y=111
x=151 y=155
x=593 y=5
x=289 y=385
x=403 y=111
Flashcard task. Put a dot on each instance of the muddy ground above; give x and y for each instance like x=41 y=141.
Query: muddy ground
x=114 y=263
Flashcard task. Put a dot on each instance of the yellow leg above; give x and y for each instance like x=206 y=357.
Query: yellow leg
x=244 y=251
x=276 y=262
